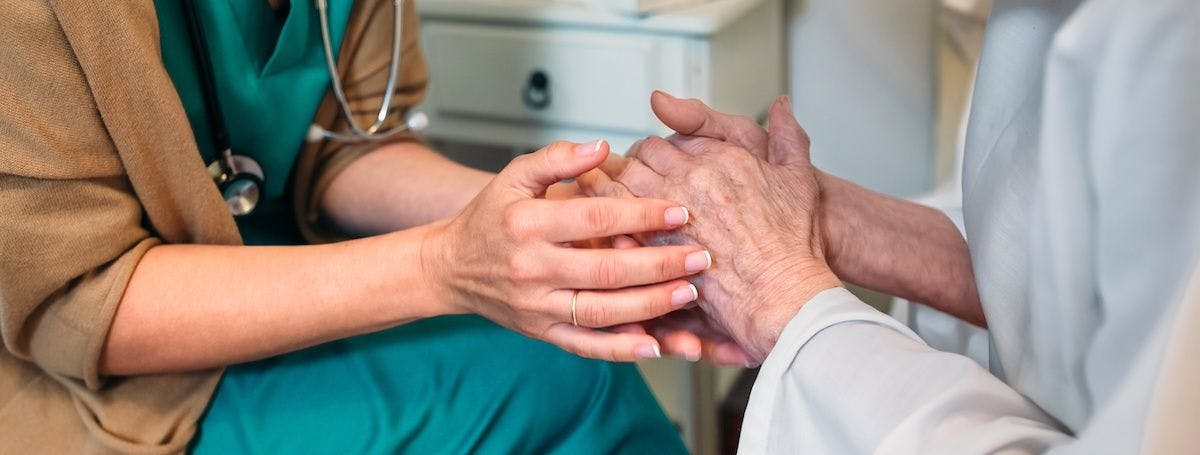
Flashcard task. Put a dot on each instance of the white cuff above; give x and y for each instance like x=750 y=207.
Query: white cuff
x=826 y=309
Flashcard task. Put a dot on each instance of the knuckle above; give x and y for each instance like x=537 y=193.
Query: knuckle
x=736 y=162
x=594 y=315
x=653 y=148
x=704 y=174
x=611 y=355
x=516 y=221
x=558 y=150
x=613 y=190
x=669 y=267
x=524 y=268
x=635 y=149
x=599 y=218
x=655 y=303
x=651 y=216
x=727 y=156
x=550 y=160
x=608 y=273
x=520 y=162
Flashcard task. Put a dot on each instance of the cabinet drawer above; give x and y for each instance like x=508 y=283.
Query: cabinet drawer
x=553 y=76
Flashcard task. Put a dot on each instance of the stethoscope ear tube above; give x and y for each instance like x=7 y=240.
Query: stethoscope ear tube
x=357 y=133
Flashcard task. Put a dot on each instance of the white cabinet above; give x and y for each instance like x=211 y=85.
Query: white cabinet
x=520 y=74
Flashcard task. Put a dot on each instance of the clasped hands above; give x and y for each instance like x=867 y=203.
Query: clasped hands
x=725 y=244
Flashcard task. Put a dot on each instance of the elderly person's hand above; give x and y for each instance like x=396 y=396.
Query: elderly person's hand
x=754 y=204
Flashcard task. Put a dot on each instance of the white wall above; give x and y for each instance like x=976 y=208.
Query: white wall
x=862 y=84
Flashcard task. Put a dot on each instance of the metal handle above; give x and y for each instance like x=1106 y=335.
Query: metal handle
x=537 y=91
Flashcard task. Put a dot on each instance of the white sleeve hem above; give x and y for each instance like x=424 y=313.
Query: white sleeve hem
x=826 y=309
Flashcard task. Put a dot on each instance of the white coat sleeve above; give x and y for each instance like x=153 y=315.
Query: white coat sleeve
x=845 y=378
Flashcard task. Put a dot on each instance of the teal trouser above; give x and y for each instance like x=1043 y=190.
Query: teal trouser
x=446 y=385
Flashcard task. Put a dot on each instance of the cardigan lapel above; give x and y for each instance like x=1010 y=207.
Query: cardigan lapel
x=117 y=46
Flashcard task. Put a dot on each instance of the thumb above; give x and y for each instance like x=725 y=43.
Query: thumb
x=787 y=142
x=686 y=117
x=691 y=117
x=534 y=172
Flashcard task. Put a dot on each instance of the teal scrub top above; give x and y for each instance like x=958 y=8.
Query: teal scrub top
x=269 y=75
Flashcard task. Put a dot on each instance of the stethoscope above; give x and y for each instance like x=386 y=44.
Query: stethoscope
x=240 y=178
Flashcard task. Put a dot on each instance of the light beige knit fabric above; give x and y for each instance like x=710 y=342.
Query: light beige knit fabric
x=98 y=165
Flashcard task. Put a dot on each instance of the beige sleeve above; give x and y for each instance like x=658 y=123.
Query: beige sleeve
x=364 y=63
x=71 y=228
x=67 y=250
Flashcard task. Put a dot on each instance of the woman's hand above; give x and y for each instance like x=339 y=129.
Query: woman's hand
x=507 y=257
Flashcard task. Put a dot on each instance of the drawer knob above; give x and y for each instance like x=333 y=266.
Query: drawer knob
x=537 y=90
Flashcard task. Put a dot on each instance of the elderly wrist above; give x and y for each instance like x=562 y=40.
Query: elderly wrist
x=833 y=217
x=775 y=308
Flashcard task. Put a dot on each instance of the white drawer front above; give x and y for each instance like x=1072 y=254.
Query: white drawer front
x=593 y=80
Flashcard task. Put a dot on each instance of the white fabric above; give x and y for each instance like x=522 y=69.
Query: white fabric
x=1082 y=212
x=940 y=330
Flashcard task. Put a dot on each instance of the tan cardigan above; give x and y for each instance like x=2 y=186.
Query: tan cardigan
x=98 y=165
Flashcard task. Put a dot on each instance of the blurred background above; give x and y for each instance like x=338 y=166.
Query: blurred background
x=880 y=85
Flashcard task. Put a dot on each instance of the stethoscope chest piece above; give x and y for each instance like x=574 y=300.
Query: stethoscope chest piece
x=240 y=180
x=239 y=177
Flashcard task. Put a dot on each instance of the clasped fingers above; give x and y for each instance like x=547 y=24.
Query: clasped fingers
x=621 y=268
x=588 y=310
x=588 y=218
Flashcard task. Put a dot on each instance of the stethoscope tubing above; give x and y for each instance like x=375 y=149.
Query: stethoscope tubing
x=357 y=134
x=240 y=174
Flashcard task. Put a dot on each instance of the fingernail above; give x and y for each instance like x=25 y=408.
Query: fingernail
x=647 y=351
x=677 y=216
x=684 y=295
x=589 y=148
x=747 y=364
x=698 y=261
x=692 y=357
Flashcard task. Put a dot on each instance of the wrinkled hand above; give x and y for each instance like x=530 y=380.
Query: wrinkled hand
x=688 y=332
x=507 y=257
x=753 y=198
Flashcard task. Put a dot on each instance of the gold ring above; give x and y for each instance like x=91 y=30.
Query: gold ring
x=574 y=300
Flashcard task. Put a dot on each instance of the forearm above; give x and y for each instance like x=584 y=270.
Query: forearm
x=899 y=248
x=190 y=307
x=397 y=186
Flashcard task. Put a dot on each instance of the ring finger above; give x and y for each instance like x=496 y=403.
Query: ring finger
x=596 y=309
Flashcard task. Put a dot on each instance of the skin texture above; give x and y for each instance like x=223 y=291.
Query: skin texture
x=873 y=240
x=757 y=217
x=687 y=332
x=898 y=248
x=423 y=187
x=866 y=238
x=506 y=256
x=510 y=246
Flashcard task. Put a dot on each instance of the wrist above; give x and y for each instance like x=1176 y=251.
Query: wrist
x=834 y=218
x=436 y=253
x=776 y=307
